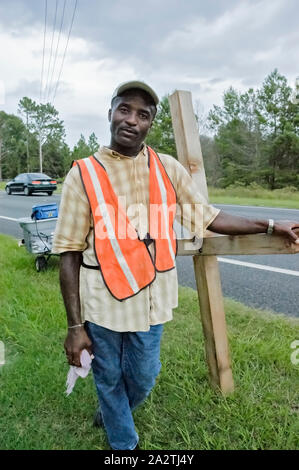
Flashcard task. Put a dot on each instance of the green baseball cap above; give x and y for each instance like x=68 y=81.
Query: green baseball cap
x=135 y=84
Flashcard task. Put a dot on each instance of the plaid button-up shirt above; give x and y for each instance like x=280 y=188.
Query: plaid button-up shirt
x=75 y=232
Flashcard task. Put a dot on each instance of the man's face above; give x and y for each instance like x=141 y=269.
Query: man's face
x=131 y=118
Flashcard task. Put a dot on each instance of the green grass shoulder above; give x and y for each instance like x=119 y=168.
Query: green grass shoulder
x=182 y=412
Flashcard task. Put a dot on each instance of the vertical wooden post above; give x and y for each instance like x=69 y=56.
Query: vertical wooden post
x=187 y=138
x=206 y=267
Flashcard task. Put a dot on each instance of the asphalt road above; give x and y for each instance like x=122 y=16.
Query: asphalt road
x=259 y=288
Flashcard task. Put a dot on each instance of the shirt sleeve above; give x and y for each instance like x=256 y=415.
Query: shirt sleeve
x=74 y=216
x=195 y=213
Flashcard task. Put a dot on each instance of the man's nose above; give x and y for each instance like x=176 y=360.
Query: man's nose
x=131 y=119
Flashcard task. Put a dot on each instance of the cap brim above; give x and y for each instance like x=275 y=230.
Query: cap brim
x=136 y=84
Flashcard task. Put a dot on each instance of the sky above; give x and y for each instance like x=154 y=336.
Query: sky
x=196 y=45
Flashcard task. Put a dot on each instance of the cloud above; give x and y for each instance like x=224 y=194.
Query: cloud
x=87 y=83
x=201 y=46
x=224 y=42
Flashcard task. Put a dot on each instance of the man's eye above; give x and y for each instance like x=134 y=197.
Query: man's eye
x=144 y=116
x=123 y=110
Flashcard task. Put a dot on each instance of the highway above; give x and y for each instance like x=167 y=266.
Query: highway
x=268 y=282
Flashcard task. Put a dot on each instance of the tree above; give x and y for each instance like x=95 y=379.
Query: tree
x=43 y=122
x=81 y=149
x=84 y=149
x=26 y=109
x=273 y=102
x=12 y=145
x=161 y=137
x=256 y=135
x=211 y=159
x=237 y=136
x=93 y=144
x=56 y=157
x=279 y=120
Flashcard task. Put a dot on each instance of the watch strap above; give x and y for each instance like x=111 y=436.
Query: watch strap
x=270 y=227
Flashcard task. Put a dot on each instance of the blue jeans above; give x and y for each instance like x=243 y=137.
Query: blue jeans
x=125 y=367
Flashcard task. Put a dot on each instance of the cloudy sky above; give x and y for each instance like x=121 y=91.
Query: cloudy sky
x=197 y=45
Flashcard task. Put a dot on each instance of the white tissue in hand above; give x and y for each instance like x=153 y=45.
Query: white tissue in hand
x=76 y=372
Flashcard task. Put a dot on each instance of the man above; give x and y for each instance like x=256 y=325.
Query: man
x=120 y=290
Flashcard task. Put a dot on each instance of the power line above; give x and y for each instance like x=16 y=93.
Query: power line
x=42 y=74
x=56 y=52
x=50 y=58
x=67 y=42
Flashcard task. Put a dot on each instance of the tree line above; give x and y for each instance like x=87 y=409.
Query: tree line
x=34 y=141
x=252 y=138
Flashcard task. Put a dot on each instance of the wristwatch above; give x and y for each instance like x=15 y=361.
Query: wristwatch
x=270 y=227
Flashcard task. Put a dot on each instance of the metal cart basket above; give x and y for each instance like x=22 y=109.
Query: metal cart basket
x=38 y=237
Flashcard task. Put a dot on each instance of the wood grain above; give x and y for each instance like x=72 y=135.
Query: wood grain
x=206 y=268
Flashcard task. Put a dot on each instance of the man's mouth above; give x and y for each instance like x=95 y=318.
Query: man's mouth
x=128 y=131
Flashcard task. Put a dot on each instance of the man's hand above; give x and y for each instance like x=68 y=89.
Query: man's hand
x=76 y=340
x=286 y=229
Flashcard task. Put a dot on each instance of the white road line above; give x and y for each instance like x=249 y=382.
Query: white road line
x=9 y=218
x=258 y=266
x=256 y=207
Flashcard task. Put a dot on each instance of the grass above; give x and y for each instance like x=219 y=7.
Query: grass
x=182 y=412
x=255 y=196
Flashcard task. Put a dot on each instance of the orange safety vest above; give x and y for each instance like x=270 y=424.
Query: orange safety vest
x=123 y=259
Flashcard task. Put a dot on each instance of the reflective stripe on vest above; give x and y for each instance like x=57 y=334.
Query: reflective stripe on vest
x=162 y=214
x=124 y=260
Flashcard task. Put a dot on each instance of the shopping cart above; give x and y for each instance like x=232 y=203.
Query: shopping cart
x=38 y=231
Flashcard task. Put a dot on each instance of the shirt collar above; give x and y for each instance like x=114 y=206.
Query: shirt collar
x=118 y=156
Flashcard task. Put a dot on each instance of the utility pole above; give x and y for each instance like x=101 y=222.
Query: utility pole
x=27 y=143
x=40 y=153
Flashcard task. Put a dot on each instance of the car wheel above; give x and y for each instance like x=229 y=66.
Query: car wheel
x=8 y=190
x=41 y=263
x=50 y=193
x=26 y=191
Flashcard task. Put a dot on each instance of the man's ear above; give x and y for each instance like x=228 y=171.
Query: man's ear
x=109 y=114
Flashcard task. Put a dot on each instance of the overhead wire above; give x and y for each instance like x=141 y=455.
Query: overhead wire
x=50 y=58
x=63 y=59
x=43 y=61
x=56 y=53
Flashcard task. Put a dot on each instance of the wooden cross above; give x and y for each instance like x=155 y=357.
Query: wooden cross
x=205 y=262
